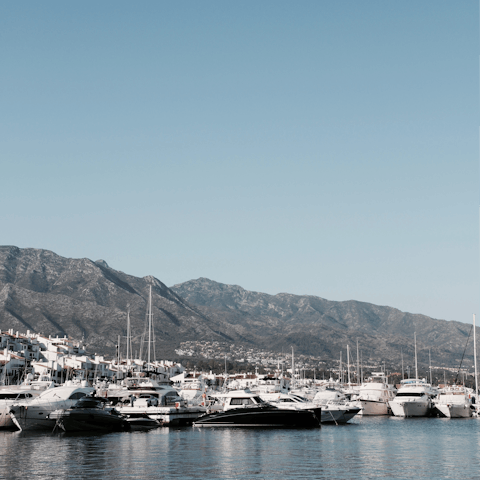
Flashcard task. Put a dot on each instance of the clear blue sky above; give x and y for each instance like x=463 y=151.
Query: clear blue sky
x=314 y=147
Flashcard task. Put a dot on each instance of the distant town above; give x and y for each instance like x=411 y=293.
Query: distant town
x=305 y=365
x=62 y=358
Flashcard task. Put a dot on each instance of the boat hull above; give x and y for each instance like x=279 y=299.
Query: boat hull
x=5 y=418
x=167 y=416
x=454 y=411
x=88 y=419
x=142 y=423
x=372 y=407
x=410 y=409
x=31 y=418
x=259 y=417
x=330 y=414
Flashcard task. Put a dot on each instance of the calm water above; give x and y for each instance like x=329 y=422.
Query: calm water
x=366 y=448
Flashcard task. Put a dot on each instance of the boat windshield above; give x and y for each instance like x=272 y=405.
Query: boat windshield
x=298 y=398
x=90 y=402
x=14 y=396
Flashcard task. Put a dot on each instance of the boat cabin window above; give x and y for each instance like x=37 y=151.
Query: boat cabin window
x=76 y=395
x=241 y=401
x=410 y=394
x=172 y=396
x=286 y=400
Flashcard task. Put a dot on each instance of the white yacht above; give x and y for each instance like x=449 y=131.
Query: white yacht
x=7 y=399
x=270 y=385
x=414 y=398
x=136 y=385
x=455 y=401
x=12 y=394
x=33 y=414
x=190 y=386
x=374 y=395
x=336 y=408
x=165 y=406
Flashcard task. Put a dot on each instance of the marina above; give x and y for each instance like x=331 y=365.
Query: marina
x=240 y=240
x=367 y=447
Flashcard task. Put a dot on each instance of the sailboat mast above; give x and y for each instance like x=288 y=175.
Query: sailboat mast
x=149 y=325
x=359 y=380
x=225 y=375
x=340 y=373
x=430 y=365
x=293 y=370
x=403 y=374
x=129 y=340
x=416 y=368
x=348 y=364
x=475 y=359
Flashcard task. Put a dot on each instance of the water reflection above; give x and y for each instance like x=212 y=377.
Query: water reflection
x=369 y=448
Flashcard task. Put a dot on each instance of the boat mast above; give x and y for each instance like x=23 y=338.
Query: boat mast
x=416 y=369
x=118 y=353
x=129 y=337
x=361 y=366
x=430 y=366
x=340 y=373
x=348 y=364
x=149 y=326
x=359 y=380
x=475 y=359
x=293 y=370
x=403 y=374
x=225 y=374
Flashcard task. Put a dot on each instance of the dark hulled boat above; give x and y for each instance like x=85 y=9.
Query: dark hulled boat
x=89 y=414
x=141 y=421
x=245 y=409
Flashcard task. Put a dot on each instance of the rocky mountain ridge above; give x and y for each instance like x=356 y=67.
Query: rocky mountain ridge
x=43 y=292
x=316 y=325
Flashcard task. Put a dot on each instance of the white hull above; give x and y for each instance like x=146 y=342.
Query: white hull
x=167 y=415
x=5 y=418
x=410 y=409
x=33 y=414
x=33 y=418
x=338 y=414
x=455 y=411
x=373 y=408
x=14 y=395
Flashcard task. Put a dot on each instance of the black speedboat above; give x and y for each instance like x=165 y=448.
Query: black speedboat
x=89 y=414
x=245 y=409
x=141 y=421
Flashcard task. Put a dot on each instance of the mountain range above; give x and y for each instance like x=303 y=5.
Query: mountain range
x=43 y=292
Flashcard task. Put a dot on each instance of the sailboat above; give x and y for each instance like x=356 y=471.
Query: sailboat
x=151 y=336
x=475 y=404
